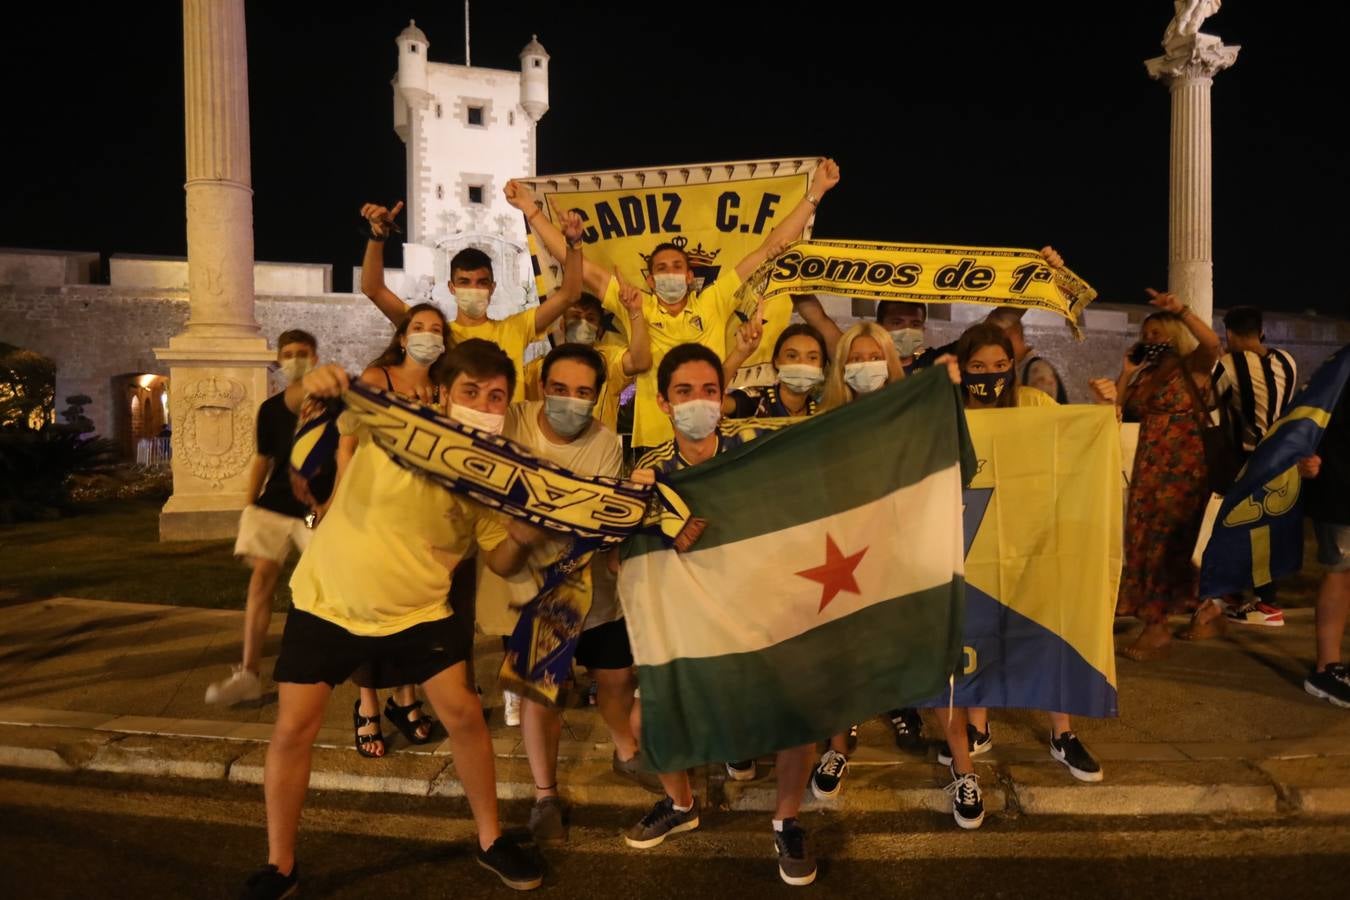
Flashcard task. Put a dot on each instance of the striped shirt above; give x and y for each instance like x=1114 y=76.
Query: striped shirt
x=1256 y=389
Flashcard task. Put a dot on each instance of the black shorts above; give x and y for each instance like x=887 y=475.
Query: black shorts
x=605 y=647
x=315 y=650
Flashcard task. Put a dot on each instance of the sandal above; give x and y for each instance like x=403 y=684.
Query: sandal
x=399 y=715
x=358 y=722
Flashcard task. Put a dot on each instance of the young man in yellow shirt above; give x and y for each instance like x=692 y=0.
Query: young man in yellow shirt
x=674 y=312
x=371 y=588
x=472 y=284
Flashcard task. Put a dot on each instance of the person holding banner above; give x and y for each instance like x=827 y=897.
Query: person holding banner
x=472 y=285
x=1328 y=505
x=690 y=383
x=562 y=429
x=987 y=355
x=373 y=585
x=674 y=311
x=798 y=360
x=1162 y=384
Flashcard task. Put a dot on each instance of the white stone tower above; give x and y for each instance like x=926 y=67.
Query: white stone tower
x=468 y=130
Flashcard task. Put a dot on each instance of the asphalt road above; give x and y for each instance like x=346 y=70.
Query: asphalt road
x=81 y=836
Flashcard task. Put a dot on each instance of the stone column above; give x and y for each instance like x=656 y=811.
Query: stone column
x=1188 y=68
x=218 y=364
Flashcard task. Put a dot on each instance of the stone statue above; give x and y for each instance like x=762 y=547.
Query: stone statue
x=1190 y=15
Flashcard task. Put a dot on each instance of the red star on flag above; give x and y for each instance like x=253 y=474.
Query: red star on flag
x=837 y=573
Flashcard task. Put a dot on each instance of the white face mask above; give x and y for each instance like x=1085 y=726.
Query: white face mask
x=866 y=377
x=296 y=367
x=696 y=419
x=473 y=302
x=671 y=288
x=801 y=378
x=568 y=416
x=492 y=423
x=579 y=331
x=425 y=347
x=907 y=341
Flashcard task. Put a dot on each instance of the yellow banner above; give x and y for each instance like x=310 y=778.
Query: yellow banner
x=923 y=273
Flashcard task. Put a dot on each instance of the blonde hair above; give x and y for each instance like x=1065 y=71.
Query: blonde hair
x=1178 y=334
x=837 y=391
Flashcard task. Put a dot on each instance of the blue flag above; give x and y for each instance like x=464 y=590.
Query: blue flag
x=1258 y=533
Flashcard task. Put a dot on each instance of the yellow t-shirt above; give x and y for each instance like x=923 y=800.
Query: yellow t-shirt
x=513 y=334
x=1030 y=396
x=596 y=451
x=607 y=405
x=380 y=561
x=702 y=321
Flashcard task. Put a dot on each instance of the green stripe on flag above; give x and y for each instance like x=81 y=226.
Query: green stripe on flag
x=743 y=705
x=827 y=464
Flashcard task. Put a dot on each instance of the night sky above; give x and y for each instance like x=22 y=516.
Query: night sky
x=1013 y=124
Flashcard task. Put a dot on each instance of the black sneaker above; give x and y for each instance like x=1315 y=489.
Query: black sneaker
x=908 y=728
x=979 y=742
x=796 y=862
x=269 y=884
x=1331 y=684
x=828 y=775
x=743 y=770
x=634 y=772
x=517 y=864
x=967 y=801
x=660 y=823
x=1068 y=749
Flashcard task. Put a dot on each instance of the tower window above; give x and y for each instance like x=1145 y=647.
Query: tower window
x=511 y=117
x=438 y=110
x=475 y=115
x=440 y=192
x=412 y=48
x=538 y=63
x=476 y=193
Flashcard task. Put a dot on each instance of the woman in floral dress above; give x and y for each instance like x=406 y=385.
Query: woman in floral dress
x=1168 y=489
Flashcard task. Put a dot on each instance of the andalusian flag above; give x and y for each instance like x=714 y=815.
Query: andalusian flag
x=826 y=588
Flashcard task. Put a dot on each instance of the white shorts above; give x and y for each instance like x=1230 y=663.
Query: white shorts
x=264 y=534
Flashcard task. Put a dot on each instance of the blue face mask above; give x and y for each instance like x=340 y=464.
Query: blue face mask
x=568 y=416
x=696 y=419
x=866 y=377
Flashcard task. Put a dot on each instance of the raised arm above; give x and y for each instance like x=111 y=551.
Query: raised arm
x=595 y=278
x=813 y=314
x=1208 y=350
x=748 y=336
x=573 y=267
x=794 y=223
x=372 y=264
x=638 y=357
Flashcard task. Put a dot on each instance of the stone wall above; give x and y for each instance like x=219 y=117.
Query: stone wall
x=159 y=273
x=96 y=333
x=22 y=266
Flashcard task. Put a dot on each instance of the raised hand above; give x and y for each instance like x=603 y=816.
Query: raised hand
x=825 y=177
x=572 y=227
x=325 y=381
x=629 y=295
x=520 y=196
x=953 y=367
x=381 y=219
x=1167 y=302
x=1103 y=389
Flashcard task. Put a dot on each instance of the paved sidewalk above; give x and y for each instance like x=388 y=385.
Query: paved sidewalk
x=1222 y=727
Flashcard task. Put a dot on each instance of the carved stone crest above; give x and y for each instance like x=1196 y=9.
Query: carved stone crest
x=213 y=438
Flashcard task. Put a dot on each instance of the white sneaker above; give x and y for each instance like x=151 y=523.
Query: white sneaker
x=240 y=686
x=511 y=708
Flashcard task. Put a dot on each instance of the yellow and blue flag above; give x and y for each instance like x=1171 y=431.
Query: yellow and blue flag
x=1043 y=531
x=1258 y=532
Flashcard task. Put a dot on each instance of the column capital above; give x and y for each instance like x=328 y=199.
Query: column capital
x=1192 y=56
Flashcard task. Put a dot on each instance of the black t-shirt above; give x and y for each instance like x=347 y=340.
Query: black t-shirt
x=276 y=431
x=1329 y=493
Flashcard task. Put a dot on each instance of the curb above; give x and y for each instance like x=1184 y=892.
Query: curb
x=1309 y=787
